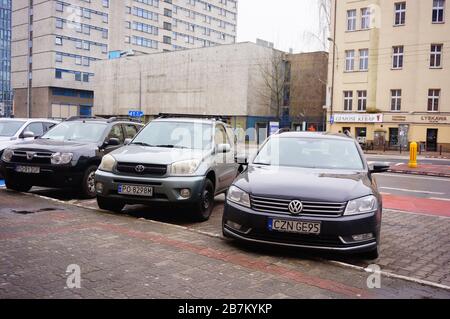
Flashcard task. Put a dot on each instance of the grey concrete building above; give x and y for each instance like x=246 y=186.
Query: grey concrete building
x=5 y=58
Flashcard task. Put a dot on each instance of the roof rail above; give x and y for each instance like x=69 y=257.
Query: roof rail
x=123 y=118
x=283 y=130
x=194 y=116
x=78 y=117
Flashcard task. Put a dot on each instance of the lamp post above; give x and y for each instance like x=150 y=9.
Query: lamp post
x=333 y=40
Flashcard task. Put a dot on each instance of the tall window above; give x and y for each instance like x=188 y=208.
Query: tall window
x=396 y=100
x=365 y=18
x=348 y=100
x=363 y=59
x=438 y=11
x=397 y=57
x=349 y=60
x=351 y=20
x=362 y=101
x=400 y=13
x=433 y=100
x=436 y=56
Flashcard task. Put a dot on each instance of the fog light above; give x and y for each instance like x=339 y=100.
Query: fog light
x=362 y=237
x=234 y=225
x=185 y=193
x=99 y=187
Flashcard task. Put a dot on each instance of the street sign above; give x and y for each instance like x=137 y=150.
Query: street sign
x=135 y=113
x=273 y=127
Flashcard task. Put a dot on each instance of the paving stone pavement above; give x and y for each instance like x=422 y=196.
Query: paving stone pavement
x=122 y=256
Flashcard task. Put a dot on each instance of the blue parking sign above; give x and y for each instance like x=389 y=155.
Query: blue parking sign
x=135 y=113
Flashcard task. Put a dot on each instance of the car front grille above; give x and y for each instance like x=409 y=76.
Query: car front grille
x=149 y=169
x=281 y=206
x=30 y=157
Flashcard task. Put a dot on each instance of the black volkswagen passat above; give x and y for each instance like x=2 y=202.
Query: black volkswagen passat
x=307 y=190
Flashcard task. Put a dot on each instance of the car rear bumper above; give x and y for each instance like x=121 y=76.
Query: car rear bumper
x=165 y=189
x=336 y=232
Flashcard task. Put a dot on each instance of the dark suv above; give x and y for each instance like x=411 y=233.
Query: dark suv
x=67 y=156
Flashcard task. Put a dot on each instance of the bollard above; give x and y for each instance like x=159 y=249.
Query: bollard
x=413 y=155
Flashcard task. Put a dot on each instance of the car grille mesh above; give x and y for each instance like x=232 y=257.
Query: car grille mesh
x=149 y=169
x=281 y=206
x=38 y=157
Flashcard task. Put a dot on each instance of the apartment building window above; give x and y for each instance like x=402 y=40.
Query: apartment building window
x=167 y=12
x=400 y=13
x=59 y=57
x=86 y=45
x=59 y=41
x=436 y=56
x=167 y=26
x=363 y=59
x=58 y=74
x=351 y=20
x=365 y=18
x=105 y=3
x=59 y=23
x=348 y=100
x=167 y=40
x=86 y=61
x=396 y=100
x=438 y=11
x=433 y=100
x=362 y=101
x=78 y=60
x=349 y=60
x=85 y=77
x=78 y=76
x=397 y=57
x=59 y=7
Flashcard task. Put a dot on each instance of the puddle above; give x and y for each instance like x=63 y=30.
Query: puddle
x=27 y=212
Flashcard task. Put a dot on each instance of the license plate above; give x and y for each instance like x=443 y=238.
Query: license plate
x=292 y=226
x=28 y=169
x=136 y=190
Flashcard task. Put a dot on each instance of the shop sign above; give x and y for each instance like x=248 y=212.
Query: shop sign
x=358 y=118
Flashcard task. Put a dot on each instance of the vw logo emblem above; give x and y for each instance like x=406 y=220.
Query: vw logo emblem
x=139 y=168
x=295 y=207
x=30 y=155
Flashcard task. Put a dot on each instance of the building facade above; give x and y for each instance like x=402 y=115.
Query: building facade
x=55 y=43
x=389 y=72
x=6 y=95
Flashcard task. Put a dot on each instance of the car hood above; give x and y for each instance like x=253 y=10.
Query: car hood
x=42 y=145
x=156 y=155
x=6 y=142
x=305 y=184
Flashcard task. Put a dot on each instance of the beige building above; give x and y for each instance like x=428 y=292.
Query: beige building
x=389 y=72
x=55 y=43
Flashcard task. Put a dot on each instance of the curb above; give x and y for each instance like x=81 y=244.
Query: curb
x=419 y=173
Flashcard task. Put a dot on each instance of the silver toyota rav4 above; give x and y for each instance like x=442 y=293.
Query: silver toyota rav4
x=172 y=160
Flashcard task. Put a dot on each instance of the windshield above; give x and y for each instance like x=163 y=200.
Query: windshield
x=176 y=135
x=310 y=153
x=76 y=131
x=10 y=128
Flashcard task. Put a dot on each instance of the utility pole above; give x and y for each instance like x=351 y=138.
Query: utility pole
x=333 y=40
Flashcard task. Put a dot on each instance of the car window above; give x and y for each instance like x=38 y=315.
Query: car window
x=220 y=136
x=36 y=128
x=80 y=131
x=48 y=126
x=10 y=128
x=130 y=130
x=116 y=132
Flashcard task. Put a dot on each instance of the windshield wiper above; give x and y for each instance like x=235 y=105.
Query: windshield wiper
x=142 y=144
x=171 y=146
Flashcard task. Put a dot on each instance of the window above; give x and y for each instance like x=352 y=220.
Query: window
x=220 y=136
x=433 y=100
x=59 y=23
x=397 y=57
x=349 y=60
x=86 y=61
x=400 y=13
x=59 y=57
x=59 y=7
x=58 y=74
x=436 y=56
x=365 y=18
x=78 y=60
x=351 y=20
x=167 y=40
x=86 y=45
x=105 y=3
x=59 y=41
x=348 y=100
x=85 y=77
x=130 y=130
x=78 y=76
x=363 y=59
x=116 y=132
x=362 y=101
x=167 y=12
x=396 y=100
x=36 y=128
x=438 y=11
x=167 y=26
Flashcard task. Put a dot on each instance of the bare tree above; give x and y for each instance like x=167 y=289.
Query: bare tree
x=323 y=30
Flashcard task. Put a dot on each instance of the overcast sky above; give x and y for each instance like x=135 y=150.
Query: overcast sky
x=284 y=22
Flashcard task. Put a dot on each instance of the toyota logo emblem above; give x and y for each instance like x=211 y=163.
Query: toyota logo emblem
x=139 y=168
x=295 y=207
x=30 y=155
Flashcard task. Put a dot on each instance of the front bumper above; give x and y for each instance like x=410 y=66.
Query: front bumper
x=336 y=232
x=165 y=189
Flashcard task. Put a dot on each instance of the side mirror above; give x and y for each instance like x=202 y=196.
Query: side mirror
x=379 y=168
x=112 y=142
x=27 y=134
x=127 y=141
x=242 y=159
x=223 y=148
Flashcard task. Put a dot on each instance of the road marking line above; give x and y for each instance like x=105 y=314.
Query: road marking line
x=412 y=190
x=383 y=193
x=438 y=198
x=422 y=177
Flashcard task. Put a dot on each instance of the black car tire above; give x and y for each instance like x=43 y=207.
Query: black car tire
x=88 y=183
x=110 y=204
x=203 y=209
x=18 y=187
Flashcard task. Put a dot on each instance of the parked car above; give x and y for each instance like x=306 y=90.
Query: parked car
x=67 y=156
x=171 y=161
x=307 y=190
x=17 y=130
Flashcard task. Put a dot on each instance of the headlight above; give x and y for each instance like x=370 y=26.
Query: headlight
x=361 y=205
x=238 y=196
x=7 y=155
x=184 y=167
x=61 y=158
x=107 y=164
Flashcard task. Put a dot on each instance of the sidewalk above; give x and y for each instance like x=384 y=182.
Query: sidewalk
x=405 y=152
x=422 y=169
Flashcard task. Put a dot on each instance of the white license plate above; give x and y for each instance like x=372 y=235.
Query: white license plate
x=28 y=169
x=136 y=190
x=292 y=226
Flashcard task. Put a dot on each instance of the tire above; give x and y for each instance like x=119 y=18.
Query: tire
x=17 y=187
x=110 y=205
x=88 y=183
x=203 y=209
x=372 y=255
